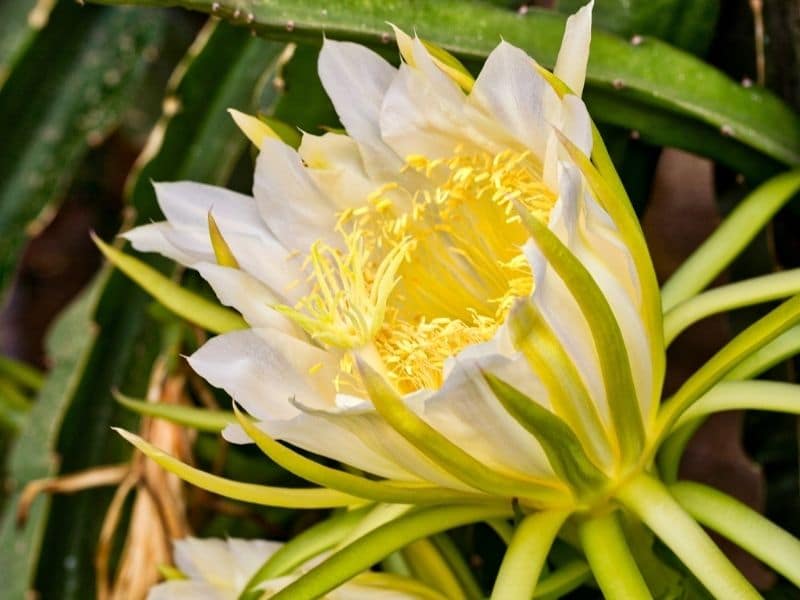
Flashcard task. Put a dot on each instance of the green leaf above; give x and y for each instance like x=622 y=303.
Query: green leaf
x=20 y=21
x=108 y=341
x=688 y=24
x=65 y=94
x=649 y=74
x=69 y=346
x=21 y=373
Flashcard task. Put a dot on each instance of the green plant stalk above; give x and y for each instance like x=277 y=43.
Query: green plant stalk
x=526 y=555
x=312 y=542
x=610 y=558
x=742 y=525
x=429 y=566
x=650 y=500
x=376 y=545
x=563 y=580
x=458 y=565
x=757 y=290
x=729 y=239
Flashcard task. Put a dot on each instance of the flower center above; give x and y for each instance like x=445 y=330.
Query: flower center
x=421 y=276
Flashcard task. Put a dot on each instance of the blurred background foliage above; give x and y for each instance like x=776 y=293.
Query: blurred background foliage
x=697 y=99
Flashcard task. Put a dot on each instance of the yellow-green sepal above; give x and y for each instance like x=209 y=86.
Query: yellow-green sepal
x=222 y=251
x=201 y=419
x=621 y=212
x=564 y=451
x=612 y=354
x=450 y=457
x=237 y=490
x=288 y=134
x=355 y=485
x=187 y=305
x=567 y=393
x=449 y=64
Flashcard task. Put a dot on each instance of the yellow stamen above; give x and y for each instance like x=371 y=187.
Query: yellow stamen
x=419 y=281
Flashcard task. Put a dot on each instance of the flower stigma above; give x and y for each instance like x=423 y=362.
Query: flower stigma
x=422 y=275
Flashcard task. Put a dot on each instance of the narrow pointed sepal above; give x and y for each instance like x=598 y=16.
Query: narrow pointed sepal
x=564 y=451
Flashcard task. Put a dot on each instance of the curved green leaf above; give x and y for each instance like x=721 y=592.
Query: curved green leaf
x=65 y=93
x=649 y=73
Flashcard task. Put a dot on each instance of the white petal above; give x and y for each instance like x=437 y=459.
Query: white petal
x=184 y=237
x=574 y=53
x=356 y=80
x=335 y=439
x=206 y=560
x=594 y=239
x=264 y=369
x=248 y=556
x=334 y=163
x=467 y=412
x=423 y=112
x=576 y=124
x=295 y=210
x=363 y=422
x=247 y=295
x=511 y=92
x=153 y=238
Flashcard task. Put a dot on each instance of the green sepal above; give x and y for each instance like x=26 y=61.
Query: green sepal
x=611 y=196
x=564 y=451
x=450 y=457
x=222 y=251
x=450 y=65
x=185 y=304
x=395 y=492
x=288 y=134
x=362 y=553
x=201 y=419
x=730 y=238
x=303 y=547
x=610 y=345
x=237 y=490
x=566 y=390
x=170 y=573
x=734 y=352
x=22 y=373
